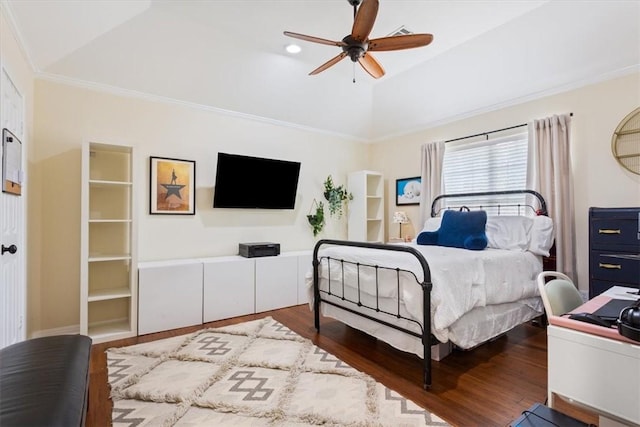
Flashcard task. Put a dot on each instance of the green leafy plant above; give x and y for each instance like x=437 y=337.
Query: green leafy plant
x=337 y=197
x=317 y=220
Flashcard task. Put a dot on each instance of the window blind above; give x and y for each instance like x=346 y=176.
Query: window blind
x=495 y=164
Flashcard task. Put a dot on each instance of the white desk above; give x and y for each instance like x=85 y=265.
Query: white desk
x=599 y=373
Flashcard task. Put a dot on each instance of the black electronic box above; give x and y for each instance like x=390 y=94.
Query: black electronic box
x=258 y=249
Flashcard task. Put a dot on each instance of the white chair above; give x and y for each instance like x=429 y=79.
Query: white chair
x=559 y=295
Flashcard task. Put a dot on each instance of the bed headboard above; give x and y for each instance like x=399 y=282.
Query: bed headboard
x=509 y=202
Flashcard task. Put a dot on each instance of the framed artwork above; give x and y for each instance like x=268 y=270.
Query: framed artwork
x=408 y=191
x=173 y=186
x=11 y=163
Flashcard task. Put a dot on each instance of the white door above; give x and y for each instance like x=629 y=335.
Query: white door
x=12 y=225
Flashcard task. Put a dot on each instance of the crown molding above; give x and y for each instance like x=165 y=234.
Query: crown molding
x=513 y=102
x=5 y=8
x=423 y=127
x=113 y=90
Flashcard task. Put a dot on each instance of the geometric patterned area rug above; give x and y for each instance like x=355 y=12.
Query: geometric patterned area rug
x=257 y=373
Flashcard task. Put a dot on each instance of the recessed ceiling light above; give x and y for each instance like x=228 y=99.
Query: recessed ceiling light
x=293 y=48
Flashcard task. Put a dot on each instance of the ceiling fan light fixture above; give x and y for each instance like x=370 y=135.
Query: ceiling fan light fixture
x=354 y=48
x=293 y=48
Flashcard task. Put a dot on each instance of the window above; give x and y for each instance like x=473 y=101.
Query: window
x=497 y=164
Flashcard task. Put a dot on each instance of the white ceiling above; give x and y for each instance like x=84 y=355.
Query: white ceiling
x=229 y=55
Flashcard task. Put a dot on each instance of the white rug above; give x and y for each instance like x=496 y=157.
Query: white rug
x=256 y=374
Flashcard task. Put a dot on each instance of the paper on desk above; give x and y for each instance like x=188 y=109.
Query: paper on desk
x=621 y=292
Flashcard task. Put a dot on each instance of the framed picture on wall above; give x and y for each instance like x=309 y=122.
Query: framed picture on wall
x=408 y=191
x=11 y=163
x=173 y=186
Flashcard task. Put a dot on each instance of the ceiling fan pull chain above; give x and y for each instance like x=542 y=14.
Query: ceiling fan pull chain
x=354 y=72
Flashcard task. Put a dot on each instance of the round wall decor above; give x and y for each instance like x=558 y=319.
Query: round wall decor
x=625 y=142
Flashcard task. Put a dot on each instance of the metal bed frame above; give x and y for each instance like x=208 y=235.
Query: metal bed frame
x=425 y=335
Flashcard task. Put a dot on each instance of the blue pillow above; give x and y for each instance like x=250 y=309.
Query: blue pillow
x=458 y=229
x=427 y=238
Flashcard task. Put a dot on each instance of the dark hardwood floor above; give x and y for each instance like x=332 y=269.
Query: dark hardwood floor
x=488 y=386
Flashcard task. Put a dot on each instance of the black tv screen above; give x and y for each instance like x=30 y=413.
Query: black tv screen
x=255 y=182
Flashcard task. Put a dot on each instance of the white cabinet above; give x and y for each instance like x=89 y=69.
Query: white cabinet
x=305 y=267
x=108 y=286
x=178 y=293
x=228 y=287
x=366 y=210
x=276 y=282
x=170 y=295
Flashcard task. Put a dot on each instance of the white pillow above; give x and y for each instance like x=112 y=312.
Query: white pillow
x=509 y=232
x=432 y=224
x=541 y=235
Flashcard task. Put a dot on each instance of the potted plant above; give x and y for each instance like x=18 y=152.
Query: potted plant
x=336 y=196
x=317 y=220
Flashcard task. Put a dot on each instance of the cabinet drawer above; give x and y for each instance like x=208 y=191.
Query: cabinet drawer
x=615 y=267
x=619 y=233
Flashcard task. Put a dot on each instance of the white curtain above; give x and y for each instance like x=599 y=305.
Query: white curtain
x=432 y=160
x=549 y=173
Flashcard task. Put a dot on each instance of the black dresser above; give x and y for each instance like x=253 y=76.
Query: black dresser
x=614 y=248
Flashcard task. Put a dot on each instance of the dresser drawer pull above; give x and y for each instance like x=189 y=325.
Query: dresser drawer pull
x=608 y=231
x=610 y=266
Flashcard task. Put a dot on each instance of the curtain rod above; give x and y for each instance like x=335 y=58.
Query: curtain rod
x=491 y=131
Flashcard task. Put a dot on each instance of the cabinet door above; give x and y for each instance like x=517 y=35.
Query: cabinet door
x=304 y=267
x=276 y=282
x=228 y=288
x=170 y=297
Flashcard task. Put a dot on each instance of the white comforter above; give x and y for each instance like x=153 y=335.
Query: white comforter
x=462 y=279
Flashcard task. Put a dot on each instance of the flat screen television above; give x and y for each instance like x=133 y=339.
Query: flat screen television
x=255 y=183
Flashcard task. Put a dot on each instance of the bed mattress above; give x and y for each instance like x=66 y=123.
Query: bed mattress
x=476 y=295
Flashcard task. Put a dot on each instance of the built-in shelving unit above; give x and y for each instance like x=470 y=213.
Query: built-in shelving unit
x=108 y=280
x=366 y=210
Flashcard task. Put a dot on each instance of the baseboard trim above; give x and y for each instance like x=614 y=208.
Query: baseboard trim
x=64 y=330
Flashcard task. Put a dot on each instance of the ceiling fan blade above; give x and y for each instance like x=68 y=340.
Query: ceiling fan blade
x=408 y=41
x=371 y=66
x=364 y=19
x=328 y=64
x=314 y=39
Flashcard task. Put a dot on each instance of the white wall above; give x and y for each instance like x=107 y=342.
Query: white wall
x=67 y=115
x=598 y=178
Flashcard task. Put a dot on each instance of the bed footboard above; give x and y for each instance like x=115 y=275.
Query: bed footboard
x=322 y=296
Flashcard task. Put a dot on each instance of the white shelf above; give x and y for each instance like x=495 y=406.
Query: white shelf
x=109 y=331
x=106 y=294
x=108 y=257
x=103 y=183
x=108 y=283
x=366 y=210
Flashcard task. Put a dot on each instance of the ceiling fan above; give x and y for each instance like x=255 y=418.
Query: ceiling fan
x=357 y=45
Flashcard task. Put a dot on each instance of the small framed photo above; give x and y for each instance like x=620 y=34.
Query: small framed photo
x=11 y=163
x=173 y=186
x=408 y=191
